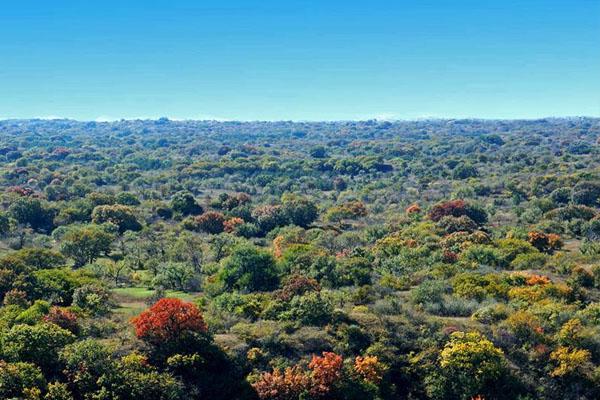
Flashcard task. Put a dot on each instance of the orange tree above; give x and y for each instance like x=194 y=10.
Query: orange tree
x=167 y=320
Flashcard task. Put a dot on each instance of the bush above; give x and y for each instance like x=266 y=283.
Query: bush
x=529 y=261
x=185 y=204
x=309 y=309
x=92 y=298
x=37 y=344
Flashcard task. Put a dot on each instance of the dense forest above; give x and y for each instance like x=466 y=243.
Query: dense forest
x=434 y=259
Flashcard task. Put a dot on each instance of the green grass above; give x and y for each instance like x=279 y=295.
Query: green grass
x=131 y=300
x=142 y=293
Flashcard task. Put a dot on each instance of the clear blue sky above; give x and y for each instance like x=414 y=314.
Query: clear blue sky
x=301 y=60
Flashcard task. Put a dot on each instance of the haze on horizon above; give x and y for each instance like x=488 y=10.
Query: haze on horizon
x=300 y=60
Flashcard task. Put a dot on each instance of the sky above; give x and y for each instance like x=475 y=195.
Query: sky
x=299 y=60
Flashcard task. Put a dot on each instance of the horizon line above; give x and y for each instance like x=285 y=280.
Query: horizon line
x=225 y=120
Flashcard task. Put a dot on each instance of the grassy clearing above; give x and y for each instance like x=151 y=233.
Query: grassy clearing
x=142 y=293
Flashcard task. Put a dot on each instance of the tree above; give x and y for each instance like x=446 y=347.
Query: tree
x=64 y=318
x=289 y=384
x=38 y=344
x=326 y=371
x=19 y=378
x=249 y=269
x=32 y=212
x=369 y=368
x=546 y=243
x=586 y=193
x=86 y=243
x=184 y=203
x=300 y=211
x=464 y=171
x=92 y=298
x=39 y=258
x=113 y=270
x=4 y=224
x=269 y=217
x=168 y=320
x=349 y=210
x=84 y=363
x=133 y=377
x=174 y=275
x=571 y=362
x=127 y=199
x=122 y=216
x=294 y=383
x=92 y=373
x=471 y=364
x=210 y=222
x=318 y=152
x=457 y=208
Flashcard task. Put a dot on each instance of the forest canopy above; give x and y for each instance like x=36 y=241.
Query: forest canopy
x=433 y=259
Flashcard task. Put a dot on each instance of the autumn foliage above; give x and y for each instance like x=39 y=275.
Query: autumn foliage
x=64 y=318
x=231 y=224
x=167 y=320
x=544 y=242
x=413 y=209
x=457 y=208
x=210 y=222
x=297 y=285
x=369 y=368
x=324 y=371
x=286 y=385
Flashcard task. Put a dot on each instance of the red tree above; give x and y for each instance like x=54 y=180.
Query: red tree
x=167 y=320
x=455 y=208
x=211 y=222
x=64 y=318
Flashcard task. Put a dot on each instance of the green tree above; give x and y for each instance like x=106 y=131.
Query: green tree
x=17 y=378
x=300 y=211
x=32 y=212
x=38 y=344
x=86 y=243
x=184 y=203
x=122 y=216
x=249 y=269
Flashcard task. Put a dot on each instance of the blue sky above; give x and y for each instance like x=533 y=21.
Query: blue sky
x=300 y=60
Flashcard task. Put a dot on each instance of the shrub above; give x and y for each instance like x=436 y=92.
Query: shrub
x=471 y=364
x=20 y=378
x=37 y=344
x=92 y=298
x=309 y=309
x=528 y=261
x=64 y=318
x=457 y=208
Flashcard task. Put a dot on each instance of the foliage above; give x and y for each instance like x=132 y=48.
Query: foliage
x=351 y=260
x=86 y=243
x=249 y=269
x=167 y=320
